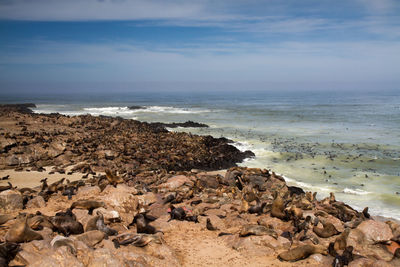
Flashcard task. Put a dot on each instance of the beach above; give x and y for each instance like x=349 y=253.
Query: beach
x=161 y=198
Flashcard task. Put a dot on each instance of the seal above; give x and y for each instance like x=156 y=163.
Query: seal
x=66 y=225
x=341 y=240
x=344 y=259
x=209 y=225
x=328 y=230
x=254 y=229
x=8 y=251
x=142 y=224
x=20 y=232
x=138 y=240
x=89 y=205
x=177 y=213
x=258 y=208
x=5 y=187
x=301 y=252
x=112 y=178
x=104 y=228
x=278 y=207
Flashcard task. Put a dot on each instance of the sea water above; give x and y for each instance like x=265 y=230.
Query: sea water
x=346 y=143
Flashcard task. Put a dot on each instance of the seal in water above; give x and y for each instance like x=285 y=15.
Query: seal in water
x=301 y=252
x=21 y=232
x=89 y=205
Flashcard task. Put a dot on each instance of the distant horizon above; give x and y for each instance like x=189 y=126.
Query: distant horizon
x=93 y=45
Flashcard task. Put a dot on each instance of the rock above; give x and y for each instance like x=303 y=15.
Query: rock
x=36 y=202
x=61 y=257
x=103 y=257
x=87 y=191
x=147 y=199
x=122 y=200
x=110 y=216
x=12 y=160
x=10 y=200
x=375 y=231
x=176 y=182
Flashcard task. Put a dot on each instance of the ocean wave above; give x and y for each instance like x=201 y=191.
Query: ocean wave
x=243 y=146
x=355 y=191
x=168 y=109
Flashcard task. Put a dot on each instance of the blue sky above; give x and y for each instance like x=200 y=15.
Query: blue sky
x=270 y=44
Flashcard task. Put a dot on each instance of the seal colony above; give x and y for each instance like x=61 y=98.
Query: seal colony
x=141 y=202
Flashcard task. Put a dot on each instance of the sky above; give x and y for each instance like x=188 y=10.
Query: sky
x=127 y=45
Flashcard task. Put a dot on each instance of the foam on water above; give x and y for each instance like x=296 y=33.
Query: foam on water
x=355 y=191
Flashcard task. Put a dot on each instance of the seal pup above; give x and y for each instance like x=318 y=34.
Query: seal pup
x=328 y=230
x=142 y=224
x=209 y=225
x=344 y=259
x=301 y=252
x=8 y=250
x=89 y=205
x=177 y=213
x=20 y=232
x=104 y=228
x=258 y=208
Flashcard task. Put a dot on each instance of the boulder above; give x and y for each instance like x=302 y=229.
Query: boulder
x=176 y=182
x=36 y=202
x=87 y=191
x=10 y=200
x=375 y=231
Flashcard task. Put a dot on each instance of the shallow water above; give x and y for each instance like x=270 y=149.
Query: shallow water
x=343 y=143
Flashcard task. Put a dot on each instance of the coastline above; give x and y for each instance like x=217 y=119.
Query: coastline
x=218 y=191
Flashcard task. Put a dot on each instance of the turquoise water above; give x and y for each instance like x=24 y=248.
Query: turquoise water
x=347 y=143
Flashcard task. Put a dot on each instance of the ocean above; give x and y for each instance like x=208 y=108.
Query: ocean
x=341 y=142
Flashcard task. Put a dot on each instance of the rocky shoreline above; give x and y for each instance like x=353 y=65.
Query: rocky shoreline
x=145 y=199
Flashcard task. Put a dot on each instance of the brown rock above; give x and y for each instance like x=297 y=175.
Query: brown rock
x=176 y=182
x=36 y=202
x=10 y=200
x=375 y=231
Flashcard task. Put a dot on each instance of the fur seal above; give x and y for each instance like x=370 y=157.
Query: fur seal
x=254 y=229
x=341 y=240
x=209 y=225
x=8 y=251
x=142 y=224
x=344 y=259
x=66 y=225
x=89 y=205
x=304 y=226
x=177 y=213
x=294 y=190
x=138 y=240
x=20 y=232
x=258 y=208
x=104 y=228
x=5 y=187
x=278 y=207
x=301 y=252
x=112 y=178
x=328 y=230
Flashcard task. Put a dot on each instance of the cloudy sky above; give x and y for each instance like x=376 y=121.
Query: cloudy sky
x=259 y=44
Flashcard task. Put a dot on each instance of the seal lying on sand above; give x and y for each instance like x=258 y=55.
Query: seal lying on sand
x=301 y=252
x=138 y=240
x=254 y=229
x=21 y=232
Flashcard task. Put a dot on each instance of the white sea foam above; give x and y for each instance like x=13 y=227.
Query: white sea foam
x=355 y=191
x=167 y=109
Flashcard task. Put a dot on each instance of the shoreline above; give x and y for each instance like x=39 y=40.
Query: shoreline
x=151 y=214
